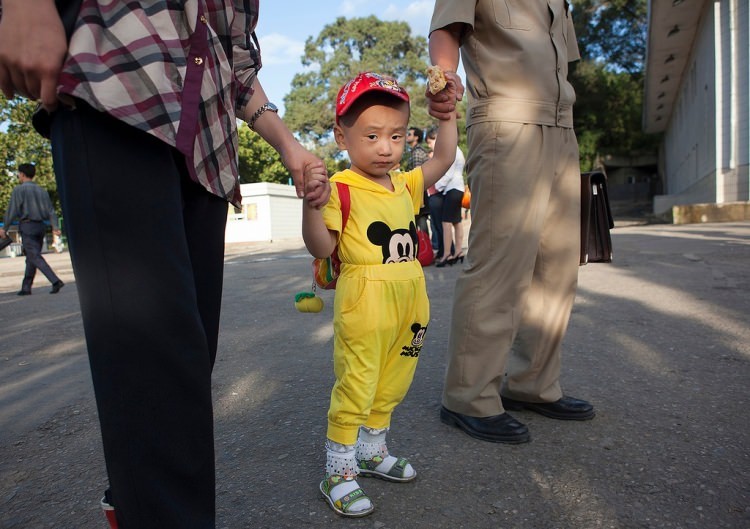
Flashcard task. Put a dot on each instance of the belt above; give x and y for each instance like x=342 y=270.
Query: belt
x=518 y=111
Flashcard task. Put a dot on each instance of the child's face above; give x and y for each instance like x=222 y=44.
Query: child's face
x=376 y=140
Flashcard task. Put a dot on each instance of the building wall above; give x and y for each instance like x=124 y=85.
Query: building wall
x=732 y=118
x=688 y=147
x=706 y=144
x=269 y=212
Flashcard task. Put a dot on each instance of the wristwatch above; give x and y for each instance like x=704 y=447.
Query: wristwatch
x=258 y=113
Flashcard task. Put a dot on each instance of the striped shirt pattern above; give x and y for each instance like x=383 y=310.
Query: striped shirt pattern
x=418 y=156
x=179 y=70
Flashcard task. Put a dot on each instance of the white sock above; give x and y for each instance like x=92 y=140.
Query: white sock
x=371 y=443
x=340 y=459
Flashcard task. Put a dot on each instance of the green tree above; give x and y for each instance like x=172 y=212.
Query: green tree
x=612 y=32
x=343 y=49
x=608 y=113
x=258 y=161
x=609 y=79
x=20 y=143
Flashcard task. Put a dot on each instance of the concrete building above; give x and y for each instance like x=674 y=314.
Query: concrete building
x=269 y=212
x=696 y=93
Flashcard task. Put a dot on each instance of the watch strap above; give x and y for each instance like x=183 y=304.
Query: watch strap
x=258 y=113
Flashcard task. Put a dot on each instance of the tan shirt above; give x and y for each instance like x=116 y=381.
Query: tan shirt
x=516 y=54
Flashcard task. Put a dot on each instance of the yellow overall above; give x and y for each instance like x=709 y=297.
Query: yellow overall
x=381 y=308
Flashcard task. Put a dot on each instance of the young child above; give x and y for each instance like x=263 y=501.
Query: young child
x=381 y=308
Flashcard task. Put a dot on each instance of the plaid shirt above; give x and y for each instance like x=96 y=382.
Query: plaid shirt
x=178 y=70
x=417 y=157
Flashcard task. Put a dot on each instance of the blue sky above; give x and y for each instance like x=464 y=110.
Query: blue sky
x=285 y=25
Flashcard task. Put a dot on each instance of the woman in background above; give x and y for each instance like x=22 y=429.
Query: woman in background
x=451 y=188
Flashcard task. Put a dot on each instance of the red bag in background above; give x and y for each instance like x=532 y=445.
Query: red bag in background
x=466 y=199
x=424 y=250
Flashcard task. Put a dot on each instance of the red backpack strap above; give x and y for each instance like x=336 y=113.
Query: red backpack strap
x=345 y=203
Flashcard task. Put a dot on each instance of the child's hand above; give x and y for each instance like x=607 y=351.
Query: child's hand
x=317 y=187
x=442 y=105
x=454 y=87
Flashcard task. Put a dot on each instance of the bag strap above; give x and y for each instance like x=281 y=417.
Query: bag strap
x=345 y=203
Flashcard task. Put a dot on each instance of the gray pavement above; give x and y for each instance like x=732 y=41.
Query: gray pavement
x=658 y=341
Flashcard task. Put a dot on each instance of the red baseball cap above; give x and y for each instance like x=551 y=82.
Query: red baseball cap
x=363 y=83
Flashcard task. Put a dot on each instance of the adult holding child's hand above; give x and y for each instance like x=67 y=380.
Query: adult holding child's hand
x=442 y=104
x=317 y=187
x=262 y=117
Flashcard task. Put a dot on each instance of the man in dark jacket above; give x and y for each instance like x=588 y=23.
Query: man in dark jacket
x=31 y=205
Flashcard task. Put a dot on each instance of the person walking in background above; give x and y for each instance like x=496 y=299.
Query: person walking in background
x=514 y=297
x=418 y=155
x=381 y=310
x=434 y=204
x=144 y=142
x=450 y=189
x=31 y=205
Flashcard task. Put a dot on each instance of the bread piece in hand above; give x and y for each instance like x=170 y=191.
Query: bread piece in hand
x=436 y=80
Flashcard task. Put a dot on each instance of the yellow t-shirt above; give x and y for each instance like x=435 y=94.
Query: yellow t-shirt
x=381 y=227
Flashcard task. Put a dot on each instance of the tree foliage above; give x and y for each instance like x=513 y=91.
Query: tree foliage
x=609 y=79
x=258 y=161
x=612 y=33
x=20 y=143
x=608 y=113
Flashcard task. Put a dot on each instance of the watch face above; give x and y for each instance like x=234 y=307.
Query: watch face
x=272 y=107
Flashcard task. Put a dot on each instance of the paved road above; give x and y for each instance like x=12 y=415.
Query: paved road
x=659 y=341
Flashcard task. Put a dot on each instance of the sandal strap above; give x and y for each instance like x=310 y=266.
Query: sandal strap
x=370 y=464
x=348 y=499
x=397 y=469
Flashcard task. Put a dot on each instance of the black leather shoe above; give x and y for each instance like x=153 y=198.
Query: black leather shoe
x=498 y=428
x=56 y=286
x=24 y=293
x=566 y=409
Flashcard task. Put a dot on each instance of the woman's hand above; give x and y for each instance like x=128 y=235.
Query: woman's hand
x=297 y=160
x=32 y=50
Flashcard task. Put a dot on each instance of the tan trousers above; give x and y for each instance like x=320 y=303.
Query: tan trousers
x=513 y=300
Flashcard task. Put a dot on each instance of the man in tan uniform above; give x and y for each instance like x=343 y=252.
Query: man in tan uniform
x=513 y=299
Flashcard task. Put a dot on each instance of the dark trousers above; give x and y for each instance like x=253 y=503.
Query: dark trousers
x=147 y=248
x=436 y=222
x=33 y=233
